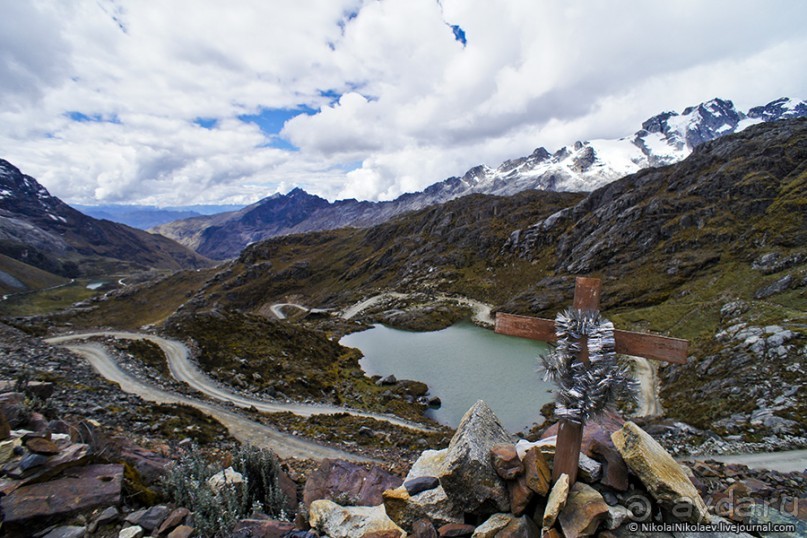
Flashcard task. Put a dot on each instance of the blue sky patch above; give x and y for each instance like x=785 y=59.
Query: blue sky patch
x=332 y=95
x=206 y=123
x=92 y=118
x=271 y=120
x=280 y=143
x=459 y=34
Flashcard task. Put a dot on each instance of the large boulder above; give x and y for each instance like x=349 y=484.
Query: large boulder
x=660 y=473
x=85 y=488
x=328 y=518
x=339 y=479
x=469 y=479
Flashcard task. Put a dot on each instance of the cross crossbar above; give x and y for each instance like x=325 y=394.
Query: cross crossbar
x=651 y=346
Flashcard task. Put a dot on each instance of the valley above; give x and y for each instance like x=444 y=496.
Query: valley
x=691 y=250
x=711 y=249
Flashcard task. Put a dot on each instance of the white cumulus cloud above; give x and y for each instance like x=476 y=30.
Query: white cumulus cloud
x=102 y=99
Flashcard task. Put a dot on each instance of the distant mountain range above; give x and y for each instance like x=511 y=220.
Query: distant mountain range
x=40 y=230
x=583 y=166
x=148 y=216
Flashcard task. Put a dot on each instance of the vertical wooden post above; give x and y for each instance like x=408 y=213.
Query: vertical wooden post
x=570 y=434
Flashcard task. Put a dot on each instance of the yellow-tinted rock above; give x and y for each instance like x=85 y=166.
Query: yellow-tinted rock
x=660 y=473
x=556 y=501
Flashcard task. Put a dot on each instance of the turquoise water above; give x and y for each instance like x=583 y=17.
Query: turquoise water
x=462 y=364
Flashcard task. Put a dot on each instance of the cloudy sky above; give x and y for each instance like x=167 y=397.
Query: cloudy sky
x=191 y=101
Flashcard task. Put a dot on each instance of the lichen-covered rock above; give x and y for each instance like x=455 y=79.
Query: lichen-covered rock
x=469 y=478
x=584 y=510
x=660 y=473
x=590 y=470
x=336 y=521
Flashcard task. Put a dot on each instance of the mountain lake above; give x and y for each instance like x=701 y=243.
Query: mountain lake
x=462 y=364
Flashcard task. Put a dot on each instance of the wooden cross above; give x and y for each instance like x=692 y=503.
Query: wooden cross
x=587 y=298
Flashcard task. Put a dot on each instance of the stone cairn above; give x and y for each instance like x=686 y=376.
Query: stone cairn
x=485 y=485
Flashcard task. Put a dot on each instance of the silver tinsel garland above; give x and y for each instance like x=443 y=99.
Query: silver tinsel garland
x=586 y=390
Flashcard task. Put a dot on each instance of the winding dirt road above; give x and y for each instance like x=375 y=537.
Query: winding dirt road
x=183 y=370
x=352 y=311
x=243 y=429
x=785 y=462
x=277 y=309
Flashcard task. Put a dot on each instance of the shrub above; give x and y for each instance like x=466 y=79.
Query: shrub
x=215 y=513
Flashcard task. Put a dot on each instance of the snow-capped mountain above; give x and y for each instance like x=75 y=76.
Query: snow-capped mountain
x=583 y=166
x=664 y=139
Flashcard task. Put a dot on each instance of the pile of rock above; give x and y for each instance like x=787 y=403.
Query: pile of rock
x=487 y=485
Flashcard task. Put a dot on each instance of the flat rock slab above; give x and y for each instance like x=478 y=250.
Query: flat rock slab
x=80 y=489
x=491 y=527
x=149 y=518
x=660 y=473
x=47 y=467
x=41 y=445
x=67 y=532
x=339 y=478
x=556 y=501
x=584 y=511
x=183 y=531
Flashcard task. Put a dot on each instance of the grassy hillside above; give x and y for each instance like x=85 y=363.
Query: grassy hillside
x=16 y=277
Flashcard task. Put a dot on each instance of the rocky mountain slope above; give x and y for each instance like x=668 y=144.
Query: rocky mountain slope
x=712 y=249
x=663 y=139
x=42 y=231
